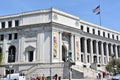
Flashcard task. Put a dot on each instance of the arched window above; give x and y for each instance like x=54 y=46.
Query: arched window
x=11 y=54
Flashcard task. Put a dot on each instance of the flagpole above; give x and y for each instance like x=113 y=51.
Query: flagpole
x=100 y=14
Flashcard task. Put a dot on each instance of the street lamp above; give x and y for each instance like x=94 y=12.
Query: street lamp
x=10 y=66
x=113 y=63
x=70 y=62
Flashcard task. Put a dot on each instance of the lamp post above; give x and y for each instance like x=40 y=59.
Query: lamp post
x=70 y=62
x=10 y=66
x=113 y=63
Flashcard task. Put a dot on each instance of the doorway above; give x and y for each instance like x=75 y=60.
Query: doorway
x=64 y=53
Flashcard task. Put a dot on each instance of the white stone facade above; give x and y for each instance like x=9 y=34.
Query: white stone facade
x=44 y=37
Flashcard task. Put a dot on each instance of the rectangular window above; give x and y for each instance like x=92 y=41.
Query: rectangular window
x=30 y=56
x=93 y=31
x=88 y=59
x=9 y=23
x=103 y=34
x=98 y=32
x=15 y=35
x=82 y=27
x=3 y=25
x=112 y=36
x=1 y=37
x=87 y=29
x=108 y=35
x=81 y=57
x=117 y=37
x=10 y=36
x=16 y=22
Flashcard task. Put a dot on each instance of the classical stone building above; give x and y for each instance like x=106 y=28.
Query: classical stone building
x=39 y=42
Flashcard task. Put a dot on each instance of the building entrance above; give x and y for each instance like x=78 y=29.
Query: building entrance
x=64 y=53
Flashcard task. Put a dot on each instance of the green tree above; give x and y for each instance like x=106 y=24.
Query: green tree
x=1 y=58
x=111 y=64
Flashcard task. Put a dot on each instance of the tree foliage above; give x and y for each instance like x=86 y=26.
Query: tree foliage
x=111 y=65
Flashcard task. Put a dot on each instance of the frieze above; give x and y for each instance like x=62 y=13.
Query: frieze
x=30 y=34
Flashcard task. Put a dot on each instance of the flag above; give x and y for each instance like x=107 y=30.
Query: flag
x=97 y=10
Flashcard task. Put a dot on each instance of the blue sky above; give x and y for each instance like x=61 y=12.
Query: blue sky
x=110 y=14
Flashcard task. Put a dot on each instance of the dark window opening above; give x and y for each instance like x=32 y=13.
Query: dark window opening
x=3 y=25
x=82 y=45
x=108 y=35
x=98 y=32
x=9 y=71
x=30 y=56
x=1 y=37
x=9 y=23
x=88 y=46
x=103 y=34
x=16 y=22
x=10 y=36
x=112 y=36
x=117 y=37
x=109 y=49
x=88 y=58
x=15 y=35
x=95 y=59
x=99 y=48
x=82 y=27
x=118 y=49
x=104 y=47
x=93 y=31
x=87 y=29
x=0 y=50
x=11 y=55
x=94 y=47
x=81 y=57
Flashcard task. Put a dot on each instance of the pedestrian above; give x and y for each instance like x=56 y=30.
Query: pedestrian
x=99 y=75
x=43 y=77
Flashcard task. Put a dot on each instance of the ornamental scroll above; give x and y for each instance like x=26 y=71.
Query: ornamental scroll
x=55 y=44
x=78 y=48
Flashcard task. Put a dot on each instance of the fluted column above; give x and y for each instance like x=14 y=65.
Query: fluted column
x=116 y=52
x=72 y=46
x=97 y=52
x=102 y=53
x=107 y=54
x=91 y=49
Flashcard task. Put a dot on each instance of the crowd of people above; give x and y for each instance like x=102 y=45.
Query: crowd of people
x=101 y=75
x=43 y=77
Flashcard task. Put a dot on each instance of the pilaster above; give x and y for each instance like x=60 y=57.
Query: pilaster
x=60 y=46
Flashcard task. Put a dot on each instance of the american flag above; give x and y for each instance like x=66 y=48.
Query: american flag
x=97 y=10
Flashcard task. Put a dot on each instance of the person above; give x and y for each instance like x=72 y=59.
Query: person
x=59 y=78
x=99 y=75
x=43 y=77
x=55 y=77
